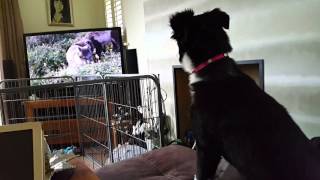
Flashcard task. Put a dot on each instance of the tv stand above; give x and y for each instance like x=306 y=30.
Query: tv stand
x=57 y=131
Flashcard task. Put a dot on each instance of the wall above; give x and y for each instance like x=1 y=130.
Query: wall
x=133 y=15
x=284 y=33
x=87 y=14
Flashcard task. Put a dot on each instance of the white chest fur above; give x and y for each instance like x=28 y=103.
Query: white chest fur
x=188 y=67
x=187 y=63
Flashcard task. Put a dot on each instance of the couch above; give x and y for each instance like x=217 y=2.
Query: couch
x=172 y=162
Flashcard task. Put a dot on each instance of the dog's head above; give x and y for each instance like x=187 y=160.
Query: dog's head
x=201 y=36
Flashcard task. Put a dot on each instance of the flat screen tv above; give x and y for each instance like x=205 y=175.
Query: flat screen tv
x=77 y=53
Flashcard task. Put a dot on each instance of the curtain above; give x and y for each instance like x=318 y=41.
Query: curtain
x=1 y=57
x=12 y=60
x=11 y=40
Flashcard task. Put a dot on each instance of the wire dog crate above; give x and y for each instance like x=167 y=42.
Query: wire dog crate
x=120 y=117
x=45 y=100
x=110 y=119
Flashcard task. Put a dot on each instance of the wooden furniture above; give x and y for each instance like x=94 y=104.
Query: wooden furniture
x=66 y=131
x=30 y=106
x=58 y=131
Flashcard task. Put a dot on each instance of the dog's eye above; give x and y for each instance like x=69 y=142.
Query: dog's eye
x=173 y=37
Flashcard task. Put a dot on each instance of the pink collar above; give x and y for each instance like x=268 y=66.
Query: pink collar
x=206 y=63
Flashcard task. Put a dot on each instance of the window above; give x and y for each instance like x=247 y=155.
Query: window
x=114 y=16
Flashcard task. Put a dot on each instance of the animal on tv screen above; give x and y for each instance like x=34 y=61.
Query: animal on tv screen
x=90 y=53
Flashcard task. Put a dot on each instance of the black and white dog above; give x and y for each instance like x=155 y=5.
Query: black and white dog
x=232 y=117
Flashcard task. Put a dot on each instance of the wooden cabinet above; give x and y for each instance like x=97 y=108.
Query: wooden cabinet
x=58 y=128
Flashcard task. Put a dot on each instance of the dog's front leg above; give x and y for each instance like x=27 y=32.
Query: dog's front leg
x=207 y=163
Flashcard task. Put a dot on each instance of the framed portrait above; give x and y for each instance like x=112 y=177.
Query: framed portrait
x=60 y=12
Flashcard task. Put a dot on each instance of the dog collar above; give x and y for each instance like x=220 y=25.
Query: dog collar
x=206 y=63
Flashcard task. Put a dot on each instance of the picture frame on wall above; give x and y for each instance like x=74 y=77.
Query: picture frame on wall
x=60 y=12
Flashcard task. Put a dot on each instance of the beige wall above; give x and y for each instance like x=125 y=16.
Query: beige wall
x=86 y=13
x=284 y=33
x=133 y=14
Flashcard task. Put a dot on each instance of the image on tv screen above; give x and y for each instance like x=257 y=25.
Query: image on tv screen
x=79 y=53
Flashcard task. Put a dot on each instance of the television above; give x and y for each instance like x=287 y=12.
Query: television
x=76 y=53
x=22 y=151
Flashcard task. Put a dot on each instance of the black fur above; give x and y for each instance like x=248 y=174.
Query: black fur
x=232 y=117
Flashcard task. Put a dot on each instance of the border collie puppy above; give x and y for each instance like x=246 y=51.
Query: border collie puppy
x=232 y=117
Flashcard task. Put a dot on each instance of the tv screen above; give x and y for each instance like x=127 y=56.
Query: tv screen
x=90 y=52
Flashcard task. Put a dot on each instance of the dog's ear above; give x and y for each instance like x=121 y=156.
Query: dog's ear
x=180 y=21
x=221 y=17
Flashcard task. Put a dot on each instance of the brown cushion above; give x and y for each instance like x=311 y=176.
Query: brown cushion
x=171 y=162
